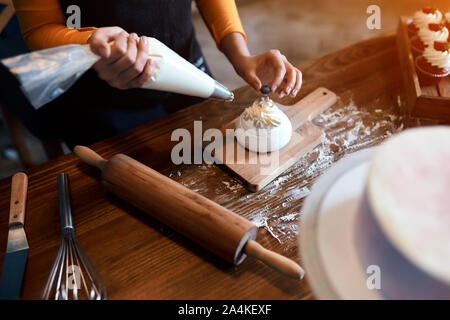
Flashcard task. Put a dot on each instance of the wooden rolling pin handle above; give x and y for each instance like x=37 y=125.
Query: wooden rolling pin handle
x=19 y=187
x=90 y=157
x=274 y=260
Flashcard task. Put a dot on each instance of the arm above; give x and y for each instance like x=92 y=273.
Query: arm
x=221 y=18
x=125 y=63
x=271 y=67
x=43 y=25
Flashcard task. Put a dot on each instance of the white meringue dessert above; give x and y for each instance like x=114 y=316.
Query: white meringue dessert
x=263 y=127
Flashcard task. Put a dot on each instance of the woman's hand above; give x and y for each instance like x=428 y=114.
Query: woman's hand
x=124 y=62
x=271 y=67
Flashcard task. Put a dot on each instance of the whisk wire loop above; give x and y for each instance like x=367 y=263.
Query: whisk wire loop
x=72 y=277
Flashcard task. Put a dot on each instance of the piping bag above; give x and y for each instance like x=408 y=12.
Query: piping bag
x=46 y=74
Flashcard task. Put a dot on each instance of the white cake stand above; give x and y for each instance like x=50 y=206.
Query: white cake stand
x=327 y=231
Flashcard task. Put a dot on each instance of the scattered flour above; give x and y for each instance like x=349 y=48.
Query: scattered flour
x=231 y=187
x=347 y=129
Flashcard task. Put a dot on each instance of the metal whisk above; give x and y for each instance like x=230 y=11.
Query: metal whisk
x=72 y=277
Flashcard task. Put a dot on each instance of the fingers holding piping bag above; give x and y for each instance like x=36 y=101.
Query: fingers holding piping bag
x=125 y=63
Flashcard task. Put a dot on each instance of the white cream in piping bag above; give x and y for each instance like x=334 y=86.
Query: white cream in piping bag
x=175 y=74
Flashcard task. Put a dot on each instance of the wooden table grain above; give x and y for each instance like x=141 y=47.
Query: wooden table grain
x=137 y=257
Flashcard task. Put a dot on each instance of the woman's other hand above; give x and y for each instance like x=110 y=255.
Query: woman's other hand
x=124 y=62
x=271 y=67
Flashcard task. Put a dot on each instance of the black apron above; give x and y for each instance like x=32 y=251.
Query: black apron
x=92 y=110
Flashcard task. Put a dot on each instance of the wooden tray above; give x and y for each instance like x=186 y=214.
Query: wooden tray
x=258 y=170
x=431 y=102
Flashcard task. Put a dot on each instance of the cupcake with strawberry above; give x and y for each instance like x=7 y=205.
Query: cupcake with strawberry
x=434 y=32
x=422 y=19
x=417 y=46
x=427 y=36
x=434 y=64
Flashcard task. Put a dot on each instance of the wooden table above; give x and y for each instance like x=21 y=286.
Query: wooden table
x=137 y=257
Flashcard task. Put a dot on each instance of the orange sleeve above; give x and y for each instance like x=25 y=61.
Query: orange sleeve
x=43 y=25
x=221 y=17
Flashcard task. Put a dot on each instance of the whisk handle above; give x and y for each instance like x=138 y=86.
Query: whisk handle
x=64 y=201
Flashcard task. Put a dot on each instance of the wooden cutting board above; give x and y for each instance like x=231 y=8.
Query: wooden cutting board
x=257 y=170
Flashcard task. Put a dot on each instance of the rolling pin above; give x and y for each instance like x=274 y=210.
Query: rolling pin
x=210 y=225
